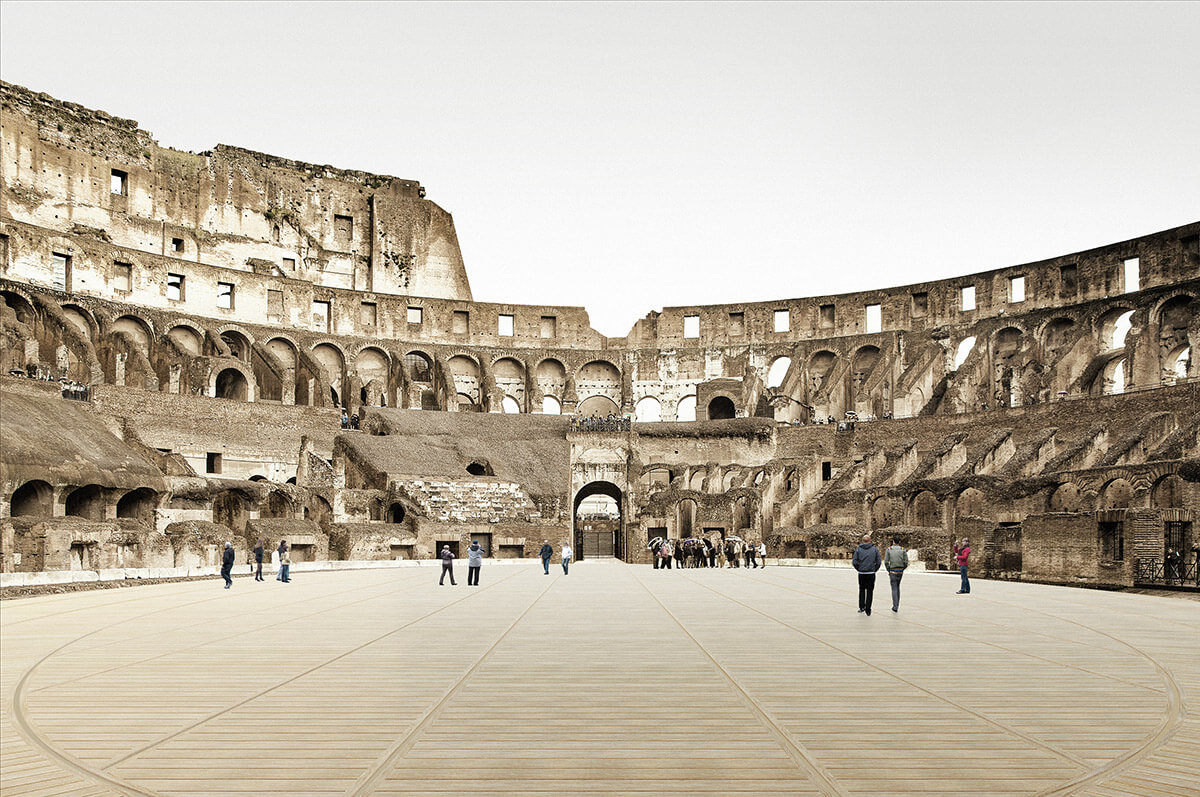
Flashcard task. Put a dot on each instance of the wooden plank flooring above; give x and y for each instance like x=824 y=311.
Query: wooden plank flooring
x=614 y=680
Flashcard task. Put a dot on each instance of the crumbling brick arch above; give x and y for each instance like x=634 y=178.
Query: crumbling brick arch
x=599 y=377
x=1116 y=494
x=331 y=360
x=139 y=503
x=1065 y=498
x=187 y=336
x=82 y=319
x=373 y=376
x=466 y=378
x=1168 y=492
x=239 y=341
x=882 y=512
x=1056 y=334
x=778 y=370
x=648 y=410
x=88 y=501
x=925 y=510
x=34 y=498
x=230 y=380
x=509 y=376
x=550 y=382
x=1175 y=325
x=1113 y=326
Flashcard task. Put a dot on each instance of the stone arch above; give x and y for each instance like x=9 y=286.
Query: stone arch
x=963 y=351
x=925 y=509
x=187 y=338
x=598 y=378
x=138 y=330
x=696 y=479
x=721 y=408
x=685 y=410
x=1178 y=364
x=465 y=373
x=597 y=405
x=551 y=406
x=862 y=364
x=86 y=502
x=319 y=511
x=778 y=371
x=229 y=509
x=284 y=350
x=1168 y=492
x=21 y=306
x=395 y=513
x=1113 y=377
x=881 y=512
x=231 y=383
x=970 y=503
x=277 y=505
x=418 y=366
x=820 y=364
x=139 y=503
x=1065 y=498
x=509 y=375
x=1056 y=334
x=510 y=406
x=32 y=499
x=603 y=542
x=333 y=360
x=239 y=344
x=741 y=515
x=648 y=410
x=1113 y=327
x=1007 y=342
x=1117 y=494
x=82 y=320
x=373 y=366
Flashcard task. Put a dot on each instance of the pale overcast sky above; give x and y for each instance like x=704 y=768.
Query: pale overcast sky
x=626 y=157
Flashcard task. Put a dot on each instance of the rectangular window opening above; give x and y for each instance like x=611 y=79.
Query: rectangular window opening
x=343 y=228
x=176 y=244
x=967 y=298
x=783 y=321
x=175 y=287
x=1069 y=280
x=61 y=266
x=920 y=305
x=737 y=324
x=118 y=182
x=1112 y=540
x=691 y=326
x=826 y=471
x=320 y=316
x=289 y=264
x=549 y=326
x=460 y=322
x=368 y=314
x=415 y=315
x=504 y=326
x=212 y=463
x=123 y=277
x=827 y=317
x=874 y=318
x=1132 y=277
x=274 y=303
x=225 y=295
x=1016 y=290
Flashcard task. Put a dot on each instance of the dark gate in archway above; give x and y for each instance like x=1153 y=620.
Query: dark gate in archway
x=594 y=536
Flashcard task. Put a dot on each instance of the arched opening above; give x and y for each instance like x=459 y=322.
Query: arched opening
x=1167 y=492
x=479 y=468
x=374 y=372
x=598 y=516
x=648 y=410
x=466 y=403
x=187 y=339
x=881 y=513
x=721 y=408
x=465 y=373
x=963 y=352
x=1178 y=363
x=22 y=308
x=239 y=345
x=333 y=362
x=395 y=513
x=136 y=329
x=86 y=502
x=139 y=503
x=1113 y=377
x=685 y=518
x=419 y=367
x=509 y=376
x=1117 y=494
x=1114 y=328
x=551 y=406
x=510 y=406
x=32 y=499
x=231 y=384
x=819 y=366
x=696 y=480
x=1065 y=498
x=925 y=509
x=685 y=410
x=277 y=505
x=1056 y=335
x=229 y=509
x=778 y=370
x=551 y=378
x=80 y=319
x=602 y=406
x=970 y=503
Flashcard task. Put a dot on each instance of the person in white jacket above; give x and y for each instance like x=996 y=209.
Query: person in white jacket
x=762 y=554
x=566 y=558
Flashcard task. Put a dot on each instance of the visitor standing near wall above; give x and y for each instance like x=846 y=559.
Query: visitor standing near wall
x=666 y=552
x=279 y=559
x=545 y=553
x=258 y=556
x=962 y=551
x=227 y=565
x=896 y=562
x=285 y=562
x=566 y=558
x=447 y=557
x=474 y=562
x=762 y=553
x=866 y=561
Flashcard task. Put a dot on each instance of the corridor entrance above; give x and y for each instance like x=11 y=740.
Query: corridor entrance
x=598 y=521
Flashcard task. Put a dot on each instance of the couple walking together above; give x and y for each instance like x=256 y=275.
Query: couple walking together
x=547 y=551
x=867 y=561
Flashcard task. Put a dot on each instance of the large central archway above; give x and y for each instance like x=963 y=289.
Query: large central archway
x=598 y=521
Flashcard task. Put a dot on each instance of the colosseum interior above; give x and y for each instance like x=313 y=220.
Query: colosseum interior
x=183 y=333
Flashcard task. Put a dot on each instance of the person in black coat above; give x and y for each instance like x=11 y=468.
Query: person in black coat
x=545 y=553
x=227 y=565
x=258 y=556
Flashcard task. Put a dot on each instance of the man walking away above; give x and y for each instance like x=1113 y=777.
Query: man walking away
x=961 y=554
x=447 y=566
x=896 y=562
x=566 y=557
x=227 y=565
x=258 y=556
x=866 y=561
x=474 y=562
x=546 y=552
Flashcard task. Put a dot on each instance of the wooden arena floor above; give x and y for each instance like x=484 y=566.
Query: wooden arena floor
x=615 y=680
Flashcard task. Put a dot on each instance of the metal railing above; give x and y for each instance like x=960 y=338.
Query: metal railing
x=1160 y=572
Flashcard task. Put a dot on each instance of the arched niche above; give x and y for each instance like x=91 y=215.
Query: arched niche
x=139 y=504
x=137 y=330
x=419 y=367
x=1117 y=494
x=551 y=406
x=1065 y=498
x=86 y=502
x=721 y=408
x=602 y=406
x=970 y=503
x=32 y=499
x=685 y=410
x=648 y=410
x=231 y=384
x=80 y=319
x=926 y=510
x=1168 y=492
x=187 y=339
x=238 y=343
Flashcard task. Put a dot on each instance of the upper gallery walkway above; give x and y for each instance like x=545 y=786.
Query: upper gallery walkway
x=614 y=679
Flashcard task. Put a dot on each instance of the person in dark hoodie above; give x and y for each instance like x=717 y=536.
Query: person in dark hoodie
x=545 y=553
x=866 y=561
x=474 y=562
x=227 y=565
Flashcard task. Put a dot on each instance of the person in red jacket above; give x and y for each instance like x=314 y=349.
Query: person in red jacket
x=961 y=553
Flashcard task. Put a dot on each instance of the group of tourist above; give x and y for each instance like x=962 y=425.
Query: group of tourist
x=597 y=423
x=349 y=421
x=283 y=556
x=70 y=388
x=704 y=552
x=475 y=561
x=867 y=561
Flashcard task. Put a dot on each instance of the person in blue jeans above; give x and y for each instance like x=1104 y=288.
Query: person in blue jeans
x=962 y=551
x=546 y=552
x=566 y=558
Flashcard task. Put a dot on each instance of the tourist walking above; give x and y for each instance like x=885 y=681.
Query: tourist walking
x=227 y=565
x=474 y=562
x=866 y=561
x=447 y=557
x=762 y=553
x=751 y=555
x=566 y=558
x=285 y=562
x=546 y=552
x=895 y=561
x=258 y=557
x=961 y=553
